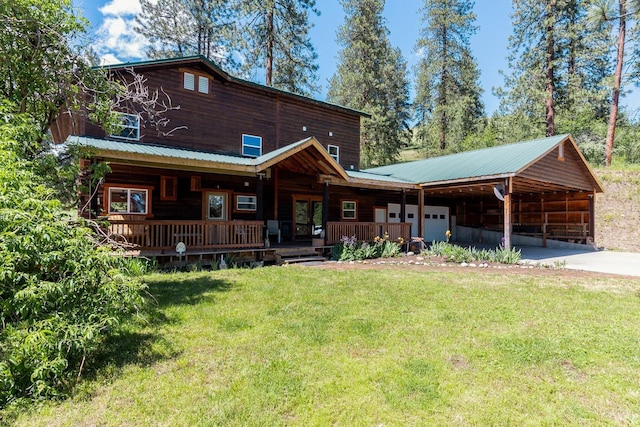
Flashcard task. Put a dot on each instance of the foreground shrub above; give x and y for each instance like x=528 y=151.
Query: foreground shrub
x=455 y=253
x=59 y=294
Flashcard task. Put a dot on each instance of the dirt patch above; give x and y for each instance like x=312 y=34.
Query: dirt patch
x=618 y=210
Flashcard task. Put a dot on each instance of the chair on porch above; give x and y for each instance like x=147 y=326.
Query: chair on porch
x=273 y=229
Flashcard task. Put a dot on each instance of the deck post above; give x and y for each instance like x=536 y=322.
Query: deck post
x=403 y=205
x=507 y=213
x=325 y=208
x=421 y=229
x=592 y=216
x=260 y=199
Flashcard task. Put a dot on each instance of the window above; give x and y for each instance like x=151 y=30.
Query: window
x=349 y=209
x=334 y=151
x=129 y=127
x=246 y=203
x=168 y=188
x=217 y=206
x=203 y=84
x=128 y=200
x=251 y=145
x=189 y=81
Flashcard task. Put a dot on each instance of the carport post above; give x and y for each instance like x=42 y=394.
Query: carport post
x=507 y=213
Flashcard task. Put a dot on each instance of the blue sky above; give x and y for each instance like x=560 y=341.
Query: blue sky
x=115 y=41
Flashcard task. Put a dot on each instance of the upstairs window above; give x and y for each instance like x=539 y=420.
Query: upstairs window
x=189 y=81
x=334 y=152
x=129 y=127
x=203 y=84
x=251 y=145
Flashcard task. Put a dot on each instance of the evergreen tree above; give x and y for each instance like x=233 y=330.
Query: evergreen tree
x=624 y=14
x=275 y=33
x=448 y=94
x=371 y=77
x=559 y=68
x=177 y=28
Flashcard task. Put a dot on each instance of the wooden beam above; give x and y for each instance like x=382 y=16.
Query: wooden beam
x=421 y=229
x=507 y=212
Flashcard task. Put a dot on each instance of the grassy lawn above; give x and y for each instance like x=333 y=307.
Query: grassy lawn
x=309 y=346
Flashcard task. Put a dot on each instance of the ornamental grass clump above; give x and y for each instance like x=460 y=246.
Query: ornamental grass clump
x=458 y=254
x=349 y=249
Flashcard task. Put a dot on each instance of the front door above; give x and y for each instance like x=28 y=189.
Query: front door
x=308 y=216
x=216 y=206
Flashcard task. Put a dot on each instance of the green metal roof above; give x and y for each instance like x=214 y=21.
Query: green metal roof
x=503 y=160
x=376 y=177
x=156 y=150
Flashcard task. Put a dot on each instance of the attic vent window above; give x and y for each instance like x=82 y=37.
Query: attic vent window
x=203 y=84
x=189 y=81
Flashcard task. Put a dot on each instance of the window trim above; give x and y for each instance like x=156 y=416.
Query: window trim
x=244 y=144
x=236 y=207
x=128 y=188
x=164 y=195
x=126 y=126
x=354 y=210
x=335 y=156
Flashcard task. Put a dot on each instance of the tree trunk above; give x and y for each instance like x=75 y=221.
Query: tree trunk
x=443 y=92
x=615 y=97
x=270 y=38
x=549 y=63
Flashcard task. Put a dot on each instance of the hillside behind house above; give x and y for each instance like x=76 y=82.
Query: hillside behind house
x=618 y=209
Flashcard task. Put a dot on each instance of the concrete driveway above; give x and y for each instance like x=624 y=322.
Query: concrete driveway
x=623 y=263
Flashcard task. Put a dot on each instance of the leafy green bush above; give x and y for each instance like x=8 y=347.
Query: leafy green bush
x=59 y=293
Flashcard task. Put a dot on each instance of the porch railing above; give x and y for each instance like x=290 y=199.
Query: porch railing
x=165 y=235
x=367 y=231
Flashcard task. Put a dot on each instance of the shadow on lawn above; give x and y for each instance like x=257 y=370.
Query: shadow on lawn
x=140 y=342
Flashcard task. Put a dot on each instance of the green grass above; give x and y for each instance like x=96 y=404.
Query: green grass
x=305 y=346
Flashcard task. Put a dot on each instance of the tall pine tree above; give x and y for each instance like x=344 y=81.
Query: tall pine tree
x=448 y=95
x=372 y=77
x=275 y=35
x=177 y=28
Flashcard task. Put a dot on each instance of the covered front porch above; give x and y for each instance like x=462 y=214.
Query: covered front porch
x=162 y=236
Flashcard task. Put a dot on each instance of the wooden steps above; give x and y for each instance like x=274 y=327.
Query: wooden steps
x=285 y=256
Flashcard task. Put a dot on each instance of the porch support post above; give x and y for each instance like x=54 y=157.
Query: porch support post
x=592 y=216
x=325 y=209
x=507 y=213
x=260 y=199
x=421 y=213
x=403 y=205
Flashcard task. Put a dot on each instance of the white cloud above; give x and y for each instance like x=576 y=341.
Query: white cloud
x=121 y=8
x=109 y=59
x=116 y=35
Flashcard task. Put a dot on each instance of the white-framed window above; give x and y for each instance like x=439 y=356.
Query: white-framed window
x=217 y=206
x=349 y=209
x=334 y=151
x=129 y=126
x=124 y=200
x=251 y=145
x=189 y=81
x=203 y=84
x=246 y=202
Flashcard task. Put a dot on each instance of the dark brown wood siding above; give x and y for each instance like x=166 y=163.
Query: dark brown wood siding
x=215 y=122
x=569 y=172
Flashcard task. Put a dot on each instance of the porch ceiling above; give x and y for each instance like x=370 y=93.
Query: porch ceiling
x=485 y=188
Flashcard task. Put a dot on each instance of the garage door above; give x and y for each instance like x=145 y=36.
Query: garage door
x=436 y=223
